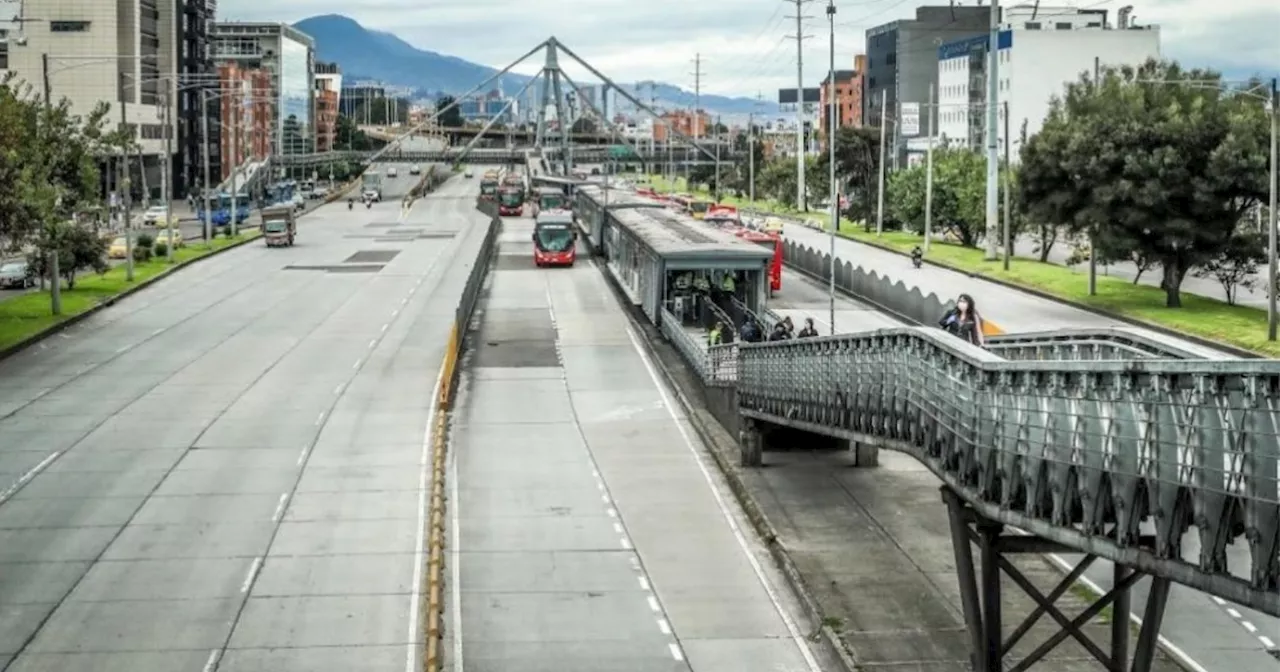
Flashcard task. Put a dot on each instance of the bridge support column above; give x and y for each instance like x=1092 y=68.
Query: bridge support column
x=864 y=454
x=750 y=444
x=982 y=600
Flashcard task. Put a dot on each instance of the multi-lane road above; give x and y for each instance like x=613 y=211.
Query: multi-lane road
x=1205 y=631
x=223 y=471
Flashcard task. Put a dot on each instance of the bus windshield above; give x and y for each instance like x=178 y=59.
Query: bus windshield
x=554 y=237
x=699 y=207
x=488 y=187
x=511 y=198
x=553 y=201
x=275 y=226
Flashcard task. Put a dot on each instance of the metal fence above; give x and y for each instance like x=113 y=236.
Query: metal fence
x=1082 y=452
x=689 y=347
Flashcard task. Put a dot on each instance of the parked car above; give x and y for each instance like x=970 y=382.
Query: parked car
x=171 y=237
x=299 y=203
x=16 y=275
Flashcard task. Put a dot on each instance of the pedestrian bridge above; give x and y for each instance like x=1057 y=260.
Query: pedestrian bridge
x=488 y=156
x=1101 y=443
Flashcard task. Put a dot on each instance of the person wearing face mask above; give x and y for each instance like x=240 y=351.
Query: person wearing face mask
x=963 y=321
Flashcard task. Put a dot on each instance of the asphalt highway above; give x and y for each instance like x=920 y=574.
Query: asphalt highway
x=591 y=531
x=223 y=471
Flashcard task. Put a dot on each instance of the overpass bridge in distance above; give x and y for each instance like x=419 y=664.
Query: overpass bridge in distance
x=492 y=156
x=467 y=133
x=1097 y=443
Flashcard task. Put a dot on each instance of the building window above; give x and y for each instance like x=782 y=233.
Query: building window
x=1062 y=25
x=1033 y=25
x=68 y=26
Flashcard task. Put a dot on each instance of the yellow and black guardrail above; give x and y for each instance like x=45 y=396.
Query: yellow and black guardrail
x=438 y=503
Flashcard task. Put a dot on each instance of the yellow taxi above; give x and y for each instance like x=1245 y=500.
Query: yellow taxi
x=118 y=249
x=171 y=237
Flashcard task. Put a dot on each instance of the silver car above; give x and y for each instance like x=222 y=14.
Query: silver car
x=16 y=275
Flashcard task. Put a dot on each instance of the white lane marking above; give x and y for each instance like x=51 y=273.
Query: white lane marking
x=302 y=456
x=1249 y=626
x=653 y=605
x=253 y=572
x=664 y=626
x=358 y=362
x=626 y=544
x=384 y=327
x=404 y=300
x=617 y=527
x=1266 y=641
x=373 y=343
x=613 y=513
x=604 y=498
x=1221 y=602
x=675 y=651
x=284 y=497
x=644 y=583
x=1185 y=661
x=123 y=350
x=455 y=570
x=419 y=547
x=1234 y=613
x=320 y=418
x=600 y=485
x=595 y=473
x=157 y=332
x=338 y=390
x=212 y=662
x=394 y=313
x=31 y=473
x=792 y=630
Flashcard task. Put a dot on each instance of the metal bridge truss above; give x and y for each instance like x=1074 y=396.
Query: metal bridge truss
x=477 y=156
x=1102 y=443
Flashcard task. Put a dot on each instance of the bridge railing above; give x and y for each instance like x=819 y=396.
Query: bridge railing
x=1080 y=452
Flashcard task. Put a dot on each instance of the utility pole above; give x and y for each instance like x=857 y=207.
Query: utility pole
x=697 y=95
x=751 y=157
x=718 y=138
x=993 y=132
x=832 y=121
x=800 y=37
x=51 y=233
x=165 y=169
x=928 y=175
x=126 y=132
x=1093 y=242
x=204 y=135
x=1008 y=187
x=884 y=124
x=1271 y=229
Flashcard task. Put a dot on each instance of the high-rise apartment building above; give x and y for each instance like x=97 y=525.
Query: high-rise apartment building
x=122 y=52
x=287 y=56
x=196 y=75
x=328 y=79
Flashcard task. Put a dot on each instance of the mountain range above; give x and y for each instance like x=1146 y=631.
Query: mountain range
x=362 y=53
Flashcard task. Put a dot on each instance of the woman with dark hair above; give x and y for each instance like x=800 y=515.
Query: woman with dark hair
x=963 y=321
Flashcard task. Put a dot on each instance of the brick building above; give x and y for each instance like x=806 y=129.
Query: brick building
x=246 y=110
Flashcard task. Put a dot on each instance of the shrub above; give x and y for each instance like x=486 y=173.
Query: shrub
x=141 y=254
x=161 y=249
x=145 y=240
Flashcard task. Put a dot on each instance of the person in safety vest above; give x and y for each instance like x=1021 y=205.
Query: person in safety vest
x=728 y=284
x=714 y=336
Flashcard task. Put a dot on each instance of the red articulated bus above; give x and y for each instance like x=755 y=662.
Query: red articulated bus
x=554 y=239
x=773 y=242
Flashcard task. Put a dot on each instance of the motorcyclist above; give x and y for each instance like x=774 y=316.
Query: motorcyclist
x=351 y=203
x=917 y=256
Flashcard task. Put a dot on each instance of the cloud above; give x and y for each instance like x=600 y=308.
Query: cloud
x=740 y=43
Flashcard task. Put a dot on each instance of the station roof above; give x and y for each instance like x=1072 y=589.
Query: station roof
x=676 y=236
x=619 y=198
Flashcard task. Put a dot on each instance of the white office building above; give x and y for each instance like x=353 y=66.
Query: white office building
x=101 y=52
x=1040 y=52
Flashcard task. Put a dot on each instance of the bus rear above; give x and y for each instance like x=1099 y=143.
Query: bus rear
x=550 y=198
x=488 y=189
x=554 y=239
x=773 y=243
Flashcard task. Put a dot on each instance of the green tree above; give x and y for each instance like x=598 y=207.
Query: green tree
x=858 y=169
x=1154 y=159
x=350 y=137
x=452 y=117
x=1236 y=265
x=959 y=197
x=79 y=249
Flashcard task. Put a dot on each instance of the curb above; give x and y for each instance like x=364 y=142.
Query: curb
x=706 y=431
x=111 y=301
x=1101 y=312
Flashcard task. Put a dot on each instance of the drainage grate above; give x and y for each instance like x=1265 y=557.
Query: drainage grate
x=354 y=268
x=371 y=257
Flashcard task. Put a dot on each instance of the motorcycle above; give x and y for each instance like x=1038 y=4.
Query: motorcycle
x=368 y=205
x=917 y=258
x=350 y=203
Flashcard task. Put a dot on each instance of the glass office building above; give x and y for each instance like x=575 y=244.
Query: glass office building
x=296 y=124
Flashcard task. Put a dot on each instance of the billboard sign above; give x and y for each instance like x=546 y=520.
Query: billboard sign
x=909 y=120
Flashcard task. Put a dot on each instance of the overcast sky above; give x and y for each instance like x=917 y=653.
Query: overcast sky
x=741 y=42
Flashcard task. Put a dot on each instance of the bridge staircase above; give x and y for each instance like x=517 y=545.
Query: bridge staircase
x=1104 y=443
x=247 y=177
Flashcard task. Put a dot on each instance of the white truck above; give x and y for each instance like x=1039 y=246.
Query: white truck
x=371 y=186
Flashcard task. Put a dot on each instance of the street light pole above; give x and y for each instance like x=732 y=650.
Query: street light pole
x=993 y=130
x=165 y=177
x=832 y=120
x=928 y=175
x=204 y=134
x=1008 y=187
